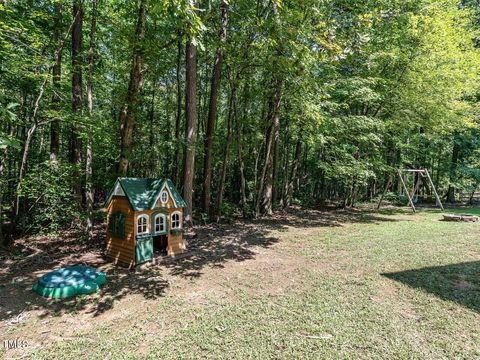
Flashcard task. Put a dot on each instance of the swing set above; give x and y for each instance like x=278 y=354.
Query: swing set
x=418 y=176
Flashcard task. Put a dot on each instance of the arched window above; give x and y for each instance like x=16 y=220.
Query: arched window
x=164 y=196
x=176 y=220
x=142 y=224
x=160 y=223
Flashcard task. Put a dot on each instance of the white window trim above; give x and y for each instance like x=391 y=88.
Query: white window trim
x=179 y=220
x=164 y=187
x=164 y=191
x=145 y=216
x=164 y=222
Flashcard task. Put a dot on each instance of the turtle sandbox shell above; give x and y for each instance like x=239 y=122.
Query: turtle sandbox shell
x=69 y=281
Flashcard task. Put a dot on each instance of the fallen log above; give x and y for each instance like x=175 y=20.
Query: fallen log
x=460 y=217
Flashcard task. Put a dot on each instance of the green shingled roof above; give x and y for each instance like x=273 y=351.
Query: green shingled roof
x=175 y=194
x=142 y=193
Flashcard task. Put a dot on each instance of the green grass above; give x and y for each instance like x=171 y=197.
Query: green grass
x=470 y=211
x=388 y=285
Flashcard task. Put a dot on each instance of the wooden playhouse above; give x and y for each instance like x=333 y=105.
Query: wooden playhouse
x=144 y=216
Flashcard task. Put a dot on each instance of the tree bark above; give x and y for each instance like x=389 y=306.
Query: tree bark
x=3 y=157
x=150 y=169
x=265 y=193
x=56 y=72
x=212 y=111
x=264 y=204
x=77 y=98
x=453 y=170
x=276 y=145
x=89 y=158
x=190 y=129
x=243 y=182
x=293 y=174
x=286 y=160
x=127 y=115
x=179 y=113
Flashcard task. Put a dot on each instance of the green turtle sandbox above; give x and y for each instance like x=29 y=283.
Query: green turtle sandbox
x=69 y=281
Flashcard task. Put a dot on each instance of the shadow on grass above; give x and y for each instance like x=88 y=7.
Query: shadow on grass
x=35 y=257
x=307 y=218
x=459 y=283
x=211 y=246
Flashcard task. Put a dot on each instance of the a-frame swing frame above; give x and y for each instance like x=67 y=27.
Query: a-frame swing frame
x=424 y=173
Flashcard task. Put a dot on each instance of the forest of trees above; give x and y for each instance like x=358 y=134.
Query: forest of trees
x=248 y=106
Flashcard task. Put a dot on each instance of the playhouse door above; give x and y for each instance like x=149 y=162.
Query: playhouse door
x=144 y=249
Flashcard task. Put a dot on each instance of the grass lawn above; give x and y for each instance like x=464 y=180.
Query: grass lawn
x=308 y=284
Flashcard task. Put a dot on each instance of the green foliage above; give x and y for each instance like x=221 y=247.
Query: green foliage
x=49 y=199
x=366 y=87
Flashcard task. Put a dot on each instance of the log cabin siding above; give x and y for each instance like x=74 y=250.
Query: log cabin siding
x=121 y=250
x=176 y=244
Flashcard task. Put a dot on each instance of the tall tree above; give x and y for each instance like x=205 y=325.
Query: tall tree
x=265 y=193
x=265 y=197
x=57 y=70
x=190 y=127
x=127 y=114
x=453 y=169
x=212 y=109
x=89 y=156
x=77 y=96
x=178 y=116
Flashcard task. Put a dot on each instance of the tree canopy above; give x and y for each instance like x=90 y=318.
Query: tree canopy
x=249 y=106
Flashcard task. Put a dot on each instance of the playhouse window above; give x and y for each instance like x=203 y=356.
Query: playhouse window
x=176 y=223
x=160 y=223
x=164 y=196
x=142 y=224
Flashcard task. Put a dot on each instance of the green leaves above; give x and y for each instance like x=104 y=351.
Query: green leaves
x=9 y=141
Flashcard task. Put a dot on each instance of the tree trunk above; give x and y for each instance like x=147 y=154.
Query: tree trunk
x=3 y=184
x=23 y=164
x=293 y=174
x=265 y=196
x=127 y=115
x=243 y=182
x=179 y=114
x=56 y=72
x=276 y=144
x=212 y=111
x=89 y=158
x=226 y=151
x=190 y=129
x=151 y=136
x=286 y=159
x=453 y=170
x=75 y=140
x=265 y=193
